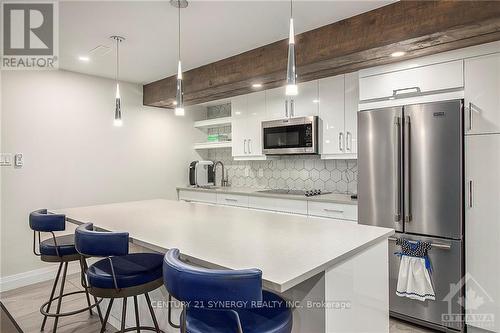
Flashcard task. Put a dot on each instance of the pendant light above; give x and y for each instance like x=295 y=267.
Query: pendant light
x=291 y=75
x=118 y=108
x=179 y=97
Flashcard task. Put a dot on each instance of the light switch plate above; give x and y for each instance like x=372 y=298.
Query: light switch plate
x=18 y=160
x=5 y=159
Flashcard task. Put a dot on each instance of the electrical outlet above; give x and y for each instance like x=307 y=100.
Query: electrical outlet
x=18 y=160
x=5 y=159
x=261 y=172
x=247 y=171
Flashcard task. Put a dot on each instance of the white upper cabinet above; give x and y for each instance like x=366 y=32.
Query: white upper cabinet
x=248 y=111
x=414 y=81
x=482 y=226
x=482 y=94
x=331 y=114
x=239 y=126
x=351 y=112
x=338 y=109
x=306 y=102
x=256 y=110
x=275 y=103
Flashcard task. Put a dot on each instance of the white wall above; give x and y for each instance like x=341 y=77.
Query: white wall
x=63 y=124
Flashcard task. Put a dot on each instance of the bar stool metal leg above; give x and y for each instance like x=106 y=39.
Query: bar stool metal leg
x=106 y=316
x=52 y=295
x=59 y=301
x=124 y=314
x=137 y=320
x=83 y=268
x=153 y=316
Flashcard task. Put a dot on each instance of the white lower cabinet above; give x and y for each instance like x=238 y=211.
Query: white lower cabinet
x=278 y=205
x=482 y=230
x=333 y=210
x=232 y=200
x=329 y=210
x=198 y=196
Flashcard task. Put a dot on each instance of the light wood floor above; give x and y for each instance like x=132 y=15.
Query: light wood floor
x=24 y=305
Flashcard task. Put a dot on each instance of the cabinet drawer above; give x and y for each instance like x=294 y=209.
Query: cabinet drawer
x=278 y=205
x=199 y=196
x=232 y=200
x=333 y=210
x=420 y=80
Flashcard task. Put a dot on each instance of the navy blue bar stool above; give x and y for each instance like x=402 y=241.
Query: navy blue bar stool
x=62 y=250
x=224 y=301
x=120 y=274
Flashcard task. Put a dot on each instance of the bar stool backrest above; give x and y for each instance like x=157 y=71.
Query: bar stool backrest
x=100 y=244
x=42 y=221
x=208 y=287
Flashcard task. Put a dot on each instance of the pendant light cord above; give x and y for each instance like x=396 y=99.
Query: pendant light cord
x=291 y=9
x=117 y=59
x=179 y=39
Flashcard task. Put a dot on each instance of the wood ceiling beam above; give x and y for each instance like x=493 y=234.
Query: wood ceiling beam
x=417 y=27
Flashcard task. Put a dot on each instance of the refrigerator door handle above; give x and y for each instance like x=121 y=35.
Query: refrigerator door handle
x=435 y=245
x=397 y=159
x=471 y=202
x=407 y=164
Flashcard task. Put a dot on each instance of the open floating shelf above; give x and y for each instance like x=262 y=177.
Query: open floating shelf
x=213 y=145
x=211 y=123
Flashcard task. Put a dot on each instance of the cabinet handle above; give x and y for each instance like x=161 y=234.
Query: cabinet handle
x=471 y=202
x=348 y=138
x=292 y=108
x=245 y=146
x=286 y=109
x=231 y=200
x=341 y=138
x=333 y=210
x=249 y=146
x=408 y=90
x=470 y=116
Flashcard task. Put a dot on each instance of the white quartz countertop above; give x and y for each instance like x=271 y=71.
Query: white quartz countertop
x=332 y=197
x=288 y=249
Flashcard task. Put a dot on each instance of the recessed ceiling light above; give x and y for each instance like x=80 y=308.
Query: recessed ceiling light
x=84 y=58
x=398 y=54
x=257 y=85
x=316 y=101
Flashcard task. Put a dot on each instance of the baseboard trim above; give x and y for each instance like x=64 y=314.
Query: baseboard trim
x=35 y=276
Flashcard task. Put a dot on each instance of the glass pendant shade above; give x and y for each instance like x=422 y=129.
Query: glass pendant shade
x=118 y=108
x=179 y=98
x=291 y=74
x=118 y=103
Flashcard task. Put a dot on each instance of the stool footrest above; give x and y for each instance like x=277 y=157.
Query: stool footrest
x=140 y=328
x=44 y=312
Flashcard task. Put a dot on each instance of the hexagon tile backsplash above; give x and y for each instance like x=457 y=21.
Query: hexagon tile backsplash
x=290 y=172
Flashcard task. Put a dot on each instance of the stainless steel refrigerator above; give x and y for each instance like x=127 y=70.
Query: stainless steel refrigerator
x=410 y=165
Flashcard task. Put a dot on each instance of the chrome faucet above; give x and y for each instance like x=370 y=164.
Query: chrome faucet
x=223 y=181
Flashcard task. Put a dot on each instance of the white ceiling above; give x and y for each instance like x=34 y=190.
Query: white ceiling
x=211 y=31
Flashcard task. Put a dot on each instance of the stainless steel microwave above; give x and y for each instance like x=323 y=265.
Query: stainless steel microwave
x=290 y=136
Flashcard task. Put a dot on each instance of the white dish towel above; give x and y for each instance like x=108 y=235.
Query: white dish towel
x=414 y=280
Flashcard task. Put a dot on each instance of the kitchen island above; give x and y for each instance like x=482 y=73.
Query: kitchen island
x=335 y=274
